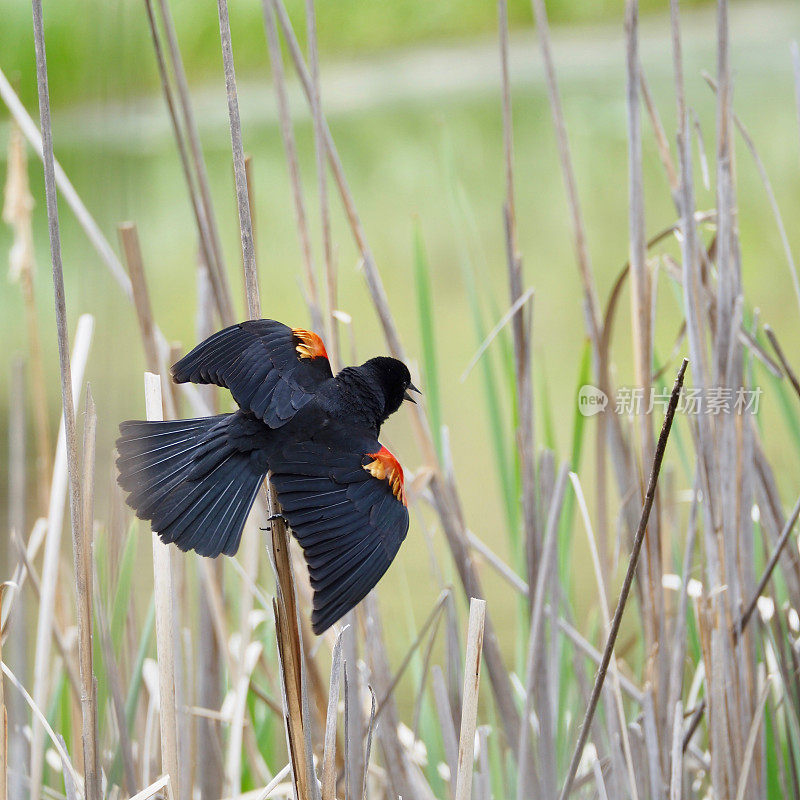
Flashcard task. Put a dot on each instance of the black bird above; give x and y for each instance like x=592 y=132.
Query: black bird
x=316 y=433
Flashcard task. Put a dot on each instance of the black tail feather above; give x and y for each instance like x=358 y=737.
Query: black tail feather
x=186 y=477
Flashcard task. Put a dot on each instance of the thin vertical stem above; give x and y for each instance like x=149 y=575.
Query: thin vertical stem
x=242 y=197
x=82 y=555
x=334 y=346
x=76 y=510
x=165 y=627
x=290 y=147
x=469 y=703
x=216 y=263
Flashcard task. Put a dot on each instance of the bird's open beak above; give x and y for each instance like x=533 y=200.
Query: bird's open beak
x=408 y=397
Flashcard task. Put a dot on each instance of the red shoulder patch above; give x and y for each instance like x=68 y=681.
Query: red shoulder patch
x=309 y=344
x=385 y=467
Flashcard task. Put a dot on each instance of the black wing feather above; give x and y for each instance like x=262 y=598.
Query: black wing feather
x=259 y=363
x=349 y=523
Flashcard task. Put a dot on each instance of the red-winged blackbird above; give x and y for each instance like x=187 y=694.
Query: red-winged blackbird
x=340 y=490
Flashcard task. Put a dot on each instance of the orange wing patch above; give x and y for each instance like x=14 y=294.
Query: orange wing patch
x=385 y=467
x=310 y=345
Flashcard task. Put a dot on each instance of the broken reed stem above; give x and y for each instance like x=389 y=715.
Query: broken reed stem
x=165 y=630
x=628 y=582
x=469 y=703
x=329 y=752
x=82 y=557
x=76 y=510
x=154 y=357
x=129 y=239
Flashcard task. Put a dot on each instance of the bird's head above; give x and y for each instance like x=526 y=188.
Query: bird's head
x=394 y=380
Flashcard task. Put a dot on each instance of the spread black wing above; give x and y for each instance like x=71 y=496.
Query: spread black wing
x=270 y=369
x=342 y=494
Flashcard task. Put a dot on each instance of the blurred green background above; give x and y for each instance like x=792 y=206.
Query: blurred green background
x=411 y=93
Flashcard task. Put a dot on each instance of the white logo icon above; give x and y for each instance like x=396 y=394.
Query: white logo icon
x=591 y=400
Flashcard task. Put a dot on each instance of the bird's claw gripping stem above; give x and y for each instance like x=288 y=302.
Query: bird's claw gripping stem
x=272 y=518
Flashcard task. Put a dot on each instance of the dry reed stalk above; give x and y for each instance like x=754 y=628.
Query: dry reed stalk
x=513 y=310
x=42 y=720
x=207 y=220
x=85 y=219
x=209 y=648
x=165 y=630
x=445 y=715
x=242 y=196
x=62 y=643
x=588 y=650
x=610 y=429
x=642 y=300
x=3 y=717
x=115 y=684
x=70 y=434
x=129 y=239
x=676 y=767
x=354 y=722
x=535 y=656
x=16 y=645
x=750 y=746
x=520 y=324
x=369 y=746
x=332 y=327
x=18 y=213
x=290 y=148
x=285 y=606
x=52 y=549
x=502 y=569
x=762 y=173
x=82 y=549
x=162 y=788
x=399 y=772
x=579 y=232
x=246 y=664
x=154 y=356
x=469 y=707
x=329 y=752
x=203 y=227
x=431 y=620
x=602 y=592
x=626 y=586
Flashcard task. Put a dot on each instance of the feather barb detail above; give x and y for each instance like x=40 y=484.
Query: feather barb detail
x=309 y=344
x=385 y=467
